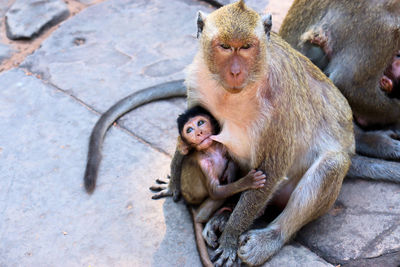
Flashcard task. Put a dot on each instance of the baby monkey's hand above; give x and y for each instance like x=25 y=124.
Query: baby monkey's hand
x=255 y=179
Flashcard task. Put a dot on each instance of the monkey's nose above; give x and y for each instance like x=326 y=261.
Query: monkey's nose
x=235 y=68
x=235 y=71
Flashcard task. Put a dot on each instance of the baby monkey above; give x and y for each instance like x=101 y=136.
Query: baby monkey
x=216 y=180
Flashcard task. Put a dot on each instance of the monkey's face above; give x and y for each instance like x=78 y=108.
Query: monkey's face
x=235 y=62
x=232 y=39
x=197 y=132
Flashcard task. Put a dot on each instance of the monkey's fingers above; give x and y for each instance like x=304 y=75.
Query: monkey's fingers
x=162 y=181
x=157 y=187
x=164 y=193
x=252 y=172
x=218 y=252
x=260 y=177
x=210 y=237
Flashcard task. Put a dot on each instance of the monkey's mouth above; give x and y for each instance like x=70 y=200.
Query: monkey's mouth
x=205 y=138
x=233 y=90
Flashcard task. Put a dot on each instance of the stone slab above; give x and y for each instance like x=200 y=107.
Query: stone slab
x=4 y=5
x=88 y=2
x=364 y=223
x=5 y=52
x=26 y=18
x=296 y=255
x=46 y=218
x=117 y=47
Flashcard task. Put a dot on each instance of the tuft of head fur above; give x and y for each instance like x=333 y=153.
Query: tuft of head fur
x=235 y=21
x=193 y=112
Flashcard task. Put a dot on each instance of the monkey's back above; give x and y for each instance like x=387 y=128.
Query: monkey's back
x=192 y=187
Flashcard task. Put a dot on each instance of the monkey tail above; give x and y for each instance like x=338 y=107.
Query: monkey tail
x=139 y=98
x=200 y=243
x=374 y=169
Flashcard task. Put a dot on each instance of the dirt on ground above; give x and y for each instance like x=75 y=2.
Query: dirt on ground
x=23 y=48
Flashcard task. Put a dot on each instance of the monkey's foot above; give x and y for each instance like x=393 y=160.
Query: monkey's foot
x=379 y=144
x=257 y=246
x=163 y=187
x=225 y=255
x=214 y=225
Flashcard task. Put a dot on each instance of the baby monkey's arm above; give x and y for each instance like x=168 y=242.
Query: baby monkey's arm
x=253 y=180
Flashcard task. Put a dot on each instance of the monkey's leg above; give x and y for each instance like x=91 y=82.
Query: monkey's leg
x=249 y=207
x=374 y=169
x=313 y=196
x=206 y=209
x=174 y=185
x=383 y=144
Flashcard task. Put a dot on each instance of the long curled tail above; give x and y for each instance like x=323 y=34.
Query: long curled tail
x=200 y=242
x=139 y=98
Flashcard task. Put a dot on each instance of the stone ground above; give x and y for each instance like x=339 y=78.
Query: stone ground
x=54 y=87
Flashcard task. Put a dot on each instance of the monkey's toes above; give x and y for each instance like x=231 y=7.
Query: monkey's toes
x=209 y=236
x=227 y=257
x=162 y=181
x=257 y=246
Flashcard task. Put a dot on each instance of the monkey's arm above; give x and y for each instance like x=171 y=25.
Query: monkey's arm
x=217 y=191
x=171 y=188
x=175 y=179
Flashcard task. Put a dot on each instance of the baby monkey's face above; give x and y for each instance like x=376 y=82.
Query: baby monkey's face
x=197 y=132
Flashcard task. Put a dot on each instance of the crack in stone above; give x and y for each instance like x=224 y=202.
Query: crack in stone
x=92 y=109
x=370 y=246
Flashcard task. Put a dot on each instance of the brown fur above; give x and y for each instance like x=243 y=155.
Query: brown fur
x=358 y=40
x=288 y=120
x=362 y=47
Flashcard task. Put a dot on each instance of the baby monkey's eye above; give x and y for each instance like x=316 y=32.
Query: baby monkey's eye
x=200 y=122
x=189 y=130
x=246 y=46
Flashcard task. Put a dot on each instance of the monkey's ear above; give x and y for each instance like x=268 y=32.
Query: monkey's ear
x=201 y=17
x=182 y=147
x=267 y=23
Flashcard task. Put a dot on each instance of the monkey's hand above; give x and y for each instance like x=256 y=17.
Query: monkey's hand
x=226 y=253
x=254 y=180
x=164 y=189
x=213 y=226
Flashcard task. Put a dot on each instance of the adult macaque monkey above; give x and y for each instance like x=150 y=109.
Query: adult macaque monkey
x=356 y=44
x=279 y=113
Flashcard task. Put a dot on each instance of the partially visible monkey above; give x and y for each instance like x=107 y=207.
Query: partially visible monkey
x=354 y=42
x=217 y=179
x=280 y=114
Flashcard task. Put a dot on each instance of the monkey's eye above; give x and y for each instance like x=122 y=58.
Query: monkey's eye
x=246 y=46
x=189 y=130
x=200 y=122
x=225 y=46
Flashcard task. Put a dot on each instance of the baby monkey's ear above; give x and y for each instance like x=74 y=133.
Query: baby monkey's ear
x=182 y=147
